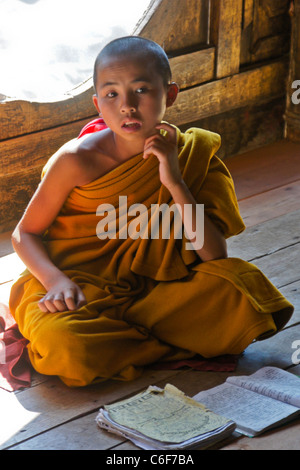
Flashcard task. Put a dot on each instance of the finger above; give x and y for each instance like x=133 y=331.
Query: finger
x=153 y=145
x=166 y=126
x=155 y=137
x=157 y=143
x=152 y=140
x=42 y=306
x=70 y=301
x=154 y=150
x=50 y=306
x=60 y=305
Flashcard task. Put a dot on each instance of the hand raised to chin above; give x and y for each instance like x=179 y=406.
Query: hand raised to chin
x=164 y=147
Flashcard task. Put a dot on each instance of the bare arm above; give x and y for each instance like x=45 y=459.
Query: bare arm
x=62 y=293
x=165 y=149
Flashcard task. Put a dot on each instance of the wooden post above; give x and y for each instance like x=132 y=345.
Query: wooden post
x=292 y=114
x=226 y=28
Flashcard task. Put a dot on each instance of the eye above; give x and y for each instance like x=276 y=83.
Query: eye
x=111 y=94
x=141 y=90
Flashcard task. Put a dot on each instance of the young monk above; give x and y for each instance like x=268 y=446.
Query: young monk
x=95 y=306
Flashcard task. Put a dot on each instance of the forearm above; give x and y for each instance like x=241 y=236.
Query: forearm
x=30 y=248
x=166 y=150
x=214 y=245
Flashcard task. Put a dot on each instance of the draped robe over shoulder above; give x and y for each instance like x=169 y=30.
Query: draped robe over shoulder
x=147 y=299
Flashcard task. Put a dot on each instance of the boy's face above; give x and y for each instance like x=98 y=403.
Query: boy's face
x=131 y=96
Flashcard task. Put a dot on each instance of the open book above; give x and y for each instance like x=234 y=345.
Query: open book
x=258 y=402
x=164 y=419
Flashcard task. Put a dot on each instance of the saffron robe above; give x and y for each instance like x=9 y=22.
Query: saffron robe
x=148 y=299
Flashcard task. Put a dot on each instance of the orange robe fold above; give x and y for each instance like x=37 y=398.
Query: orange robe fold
x=147 y=299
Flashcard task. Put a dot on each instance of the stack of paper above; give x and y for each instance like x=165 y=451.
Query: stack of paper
x=164 y=419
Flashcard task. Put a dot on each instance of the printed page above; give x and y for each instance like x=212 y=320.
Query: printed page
x=252 y=413
x=165 y=415
x=202 y=441
x=272 y=382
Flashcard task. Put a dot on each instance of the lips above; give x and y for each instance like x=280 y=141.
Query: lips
x=131 y=125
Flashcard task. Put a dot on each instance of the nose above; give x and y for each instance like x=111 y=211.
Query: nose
x=128 y=104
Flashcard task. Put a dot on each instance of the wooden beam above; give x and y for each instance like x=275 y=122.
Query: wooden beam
x=21 y=164
x=20 y=117
x=16 y=191
x=27 y=151
x=226 y=27
x=176 y=25
x=252 y=87
x=192 y=69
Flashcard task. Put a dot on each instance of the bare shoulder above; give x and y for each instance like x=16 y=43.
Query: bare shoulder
x=68 y=162
x=64 y=158
x=81 y=160
x=76 y=163
x=63 y=171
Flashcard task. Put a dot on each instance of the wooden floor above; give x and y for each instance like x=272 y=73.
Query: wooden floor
x=51 y=416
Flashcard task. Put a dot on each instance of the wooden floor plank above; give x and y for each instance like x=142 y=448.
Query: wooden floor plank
x=270 y=204
x=265 y=168
x=267 y=237
x=68 y=435
x=280 y=267
x=79 y=434
x=292 y=293
x=282 y=438
x=276 y=351
x=51 y=403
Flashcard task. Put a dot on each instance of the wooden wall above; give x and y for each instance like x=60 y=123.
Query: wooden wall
x=230 y=58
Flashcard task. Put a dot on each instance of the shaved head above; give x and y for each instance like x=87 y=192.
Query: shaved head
x=135 y=46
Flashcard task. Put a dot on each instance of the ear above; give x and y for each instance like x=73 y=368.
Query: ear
x=173 y=90
x=95 y=101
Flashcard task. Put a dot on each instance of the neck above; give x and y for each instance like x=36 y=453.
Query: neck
x=124 y=149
